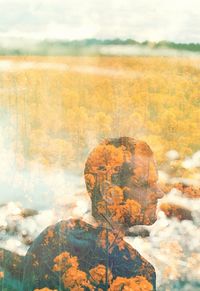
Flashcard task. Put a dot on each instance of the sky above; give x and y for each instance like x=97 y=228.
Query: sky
x=154 y=20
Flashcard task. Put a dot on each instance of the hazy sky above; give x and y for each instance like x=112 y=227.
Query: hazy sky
x=176 y=20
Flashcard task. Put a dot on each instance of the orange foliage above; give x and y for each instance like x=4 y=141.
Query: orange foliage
x=64 y=261
x=113 y=240
x=132 y=210
x=105 y=155
x=137 y=283
x=111 y=186
x=75 y=279
x=128 y=212
x=72 y=277
x=98 y=275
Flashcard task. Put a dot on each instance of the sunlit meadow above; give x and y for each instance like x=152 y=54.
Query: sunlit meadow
x=62 y=106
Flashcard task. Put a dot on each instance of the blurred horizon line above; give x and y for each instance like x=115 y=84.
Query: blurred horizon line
x=94 y=47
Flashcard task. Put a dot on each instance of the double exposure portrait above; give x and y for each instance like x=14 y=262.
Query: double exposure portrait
x=99 y=145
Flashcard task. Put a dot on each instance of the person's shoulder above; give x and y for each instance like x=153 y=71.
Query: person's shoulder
x=66 y=225
x=135 y=255
x=71 y=224
x=144 y=268
x=61 y=231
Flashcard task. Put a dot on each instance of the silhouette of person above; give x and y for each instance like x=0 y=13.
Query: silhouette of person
x=121 y=179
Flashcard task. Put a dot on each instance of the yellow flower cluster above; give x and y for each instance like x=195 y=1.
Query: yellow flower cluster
x=162 y=107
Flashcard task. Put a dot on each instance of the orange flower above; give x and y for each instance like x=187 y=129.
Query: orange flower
x=137 y=283
x=127 y=212
x=107 y=155
x=72 y=277
x=64 y=261
x=98 y=274
x=75 y=279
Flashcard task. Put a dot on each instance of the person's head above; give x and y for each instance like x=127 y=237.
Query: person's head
x=121 y=179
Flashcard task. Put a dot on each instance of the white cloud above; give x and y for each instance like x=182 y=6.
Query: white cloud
x=177 y=20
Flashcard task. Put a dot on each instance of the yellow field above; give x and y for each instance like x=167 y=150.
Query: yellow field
x=61 y=107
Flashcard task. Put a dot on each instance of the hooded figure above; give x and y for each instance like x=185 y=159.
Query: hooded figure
x=121 y=179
